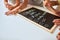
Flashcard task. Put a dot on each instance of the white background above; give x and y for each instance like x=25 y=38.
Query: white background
x=17 y=28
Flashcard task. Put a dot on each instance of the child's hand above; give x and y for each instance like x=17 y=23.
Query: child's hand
x=46 y=3
x=13 y=12
x=10 y=13
x=10 y=7
x=57 y=22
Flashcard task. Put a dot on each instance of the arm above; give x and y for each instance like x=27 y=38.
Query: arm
x=49 y=5
x=10 y=7
x=51 y=9
x=20 y=7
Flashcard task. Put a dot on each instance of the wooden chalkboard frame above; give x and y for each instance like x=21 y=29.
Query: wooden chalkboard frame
x=40 y=8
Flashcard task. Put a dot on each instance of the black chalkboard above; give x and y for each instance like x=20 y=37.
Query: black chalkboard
x=40 y=17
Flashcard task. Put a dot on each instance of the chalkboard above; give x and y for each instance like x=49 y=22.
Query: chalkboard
x=40 y=17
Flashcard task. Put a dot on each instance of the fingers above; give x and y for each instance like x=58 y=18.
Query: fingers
x=10 y=7
x=57 y=22
x=7 y=13
x=14 y=12
x=6 y=3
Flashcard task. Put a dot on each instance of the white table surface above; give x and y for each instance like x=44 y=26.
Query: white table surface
x=17 y=28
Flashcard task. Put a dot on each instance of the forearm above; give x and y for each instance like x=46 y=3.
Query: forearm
x=21 y=6
x=18 y=8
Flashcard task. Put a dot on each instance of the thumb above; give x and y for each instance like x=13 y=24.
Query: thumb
x=56 y=22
